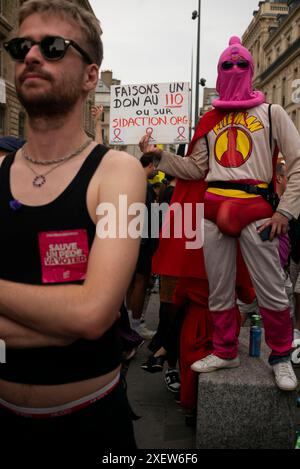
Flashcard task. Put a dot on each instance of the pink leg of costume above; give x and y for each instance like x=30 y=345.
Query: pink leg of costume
x=278 y=330
x=263 y=263
x=220 y=264
x=225 y=332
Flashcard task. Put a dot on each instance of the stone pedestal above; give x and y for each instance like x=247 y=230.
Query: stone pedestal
x=242 y=408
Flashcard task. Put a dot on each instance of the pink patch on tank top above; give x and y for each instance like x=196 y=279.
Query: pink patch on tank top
x=64 y=255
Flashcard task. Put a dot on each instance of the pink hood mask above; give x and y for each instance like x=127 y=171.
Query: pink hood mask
x=234 y=85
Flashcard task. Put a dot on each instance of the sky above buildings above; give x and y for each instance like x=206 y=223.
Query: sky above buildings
x=148 y=41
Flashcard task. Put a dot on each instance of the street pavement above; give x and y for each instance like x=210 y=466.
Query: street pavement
x=162 y=422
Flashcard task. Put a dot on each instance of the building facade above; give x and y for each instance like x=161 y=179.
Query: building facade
x=102 y=96
x=273 y=37
x=209 y=94
x=12 y=115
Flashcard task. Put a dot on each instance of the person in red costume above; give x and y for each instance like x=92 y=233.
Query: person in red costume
x=192 y=290
x=236 y=158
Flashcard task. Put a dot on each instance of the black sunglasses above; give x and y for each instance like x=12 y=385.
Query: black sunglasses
x=240 y=63
x=51 y=47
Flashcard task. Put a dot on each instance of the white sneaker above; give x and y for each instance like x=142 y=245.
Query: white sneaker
x=212 y=363
x=285 y=377
x=295 y=354
x=172 y=379
x=296 y=334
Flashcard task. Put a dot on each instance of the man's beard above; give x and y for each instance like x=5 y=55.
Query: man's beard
x=56 y=103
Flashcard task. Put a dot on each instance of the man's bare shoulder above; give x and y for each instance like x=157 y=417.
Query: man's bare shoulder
x=121 y=163
x=121 y=173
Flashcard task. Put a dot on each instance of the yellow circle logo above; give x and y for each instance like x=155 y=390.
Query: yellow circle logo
x=233 y=147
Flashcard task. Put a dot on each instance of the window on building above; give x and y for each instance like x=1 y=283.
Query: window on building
x=296 y=73
x=1 y=59
x=103 y=116
x=294 y=117
x=283 y=89
x=2 y=120
x=258 y=54
x=2 y=7
x=90 y=118
x=22 y=125
x=274 y=94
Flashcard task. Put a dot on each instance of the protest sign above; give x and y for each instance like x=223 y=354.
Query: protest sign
x=159 y=109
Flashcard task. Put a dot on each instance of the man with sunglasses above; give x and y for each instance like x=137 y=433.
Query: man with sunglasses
x=234 y=149
x=60 y=285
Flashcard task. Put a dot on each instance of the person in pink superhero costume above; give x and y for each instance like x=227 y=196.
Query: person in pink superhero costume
x=236 y=158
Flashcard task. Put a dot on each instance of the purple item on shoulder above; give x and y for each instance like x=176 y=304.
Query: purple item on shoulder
x=15 y=204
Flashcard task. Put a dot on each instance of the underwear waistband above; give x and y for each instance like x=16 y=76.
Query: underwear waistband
x=64 y=409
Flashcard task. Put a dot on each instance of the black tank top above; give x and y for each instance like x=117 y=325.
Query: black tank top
x=21 y=261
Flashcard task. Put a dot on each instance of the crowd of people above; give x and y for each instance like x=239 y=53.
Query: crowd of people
x=174 y=332
x=69 y=298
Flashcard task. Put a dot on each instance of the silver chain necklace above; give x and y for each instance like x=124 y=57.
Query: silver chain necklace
x=60 y=160
x=40 y=179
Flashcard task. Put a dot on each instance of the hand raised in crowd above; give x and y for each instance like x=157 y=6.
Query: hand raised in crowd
x=147 y=147
x=97 y=112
